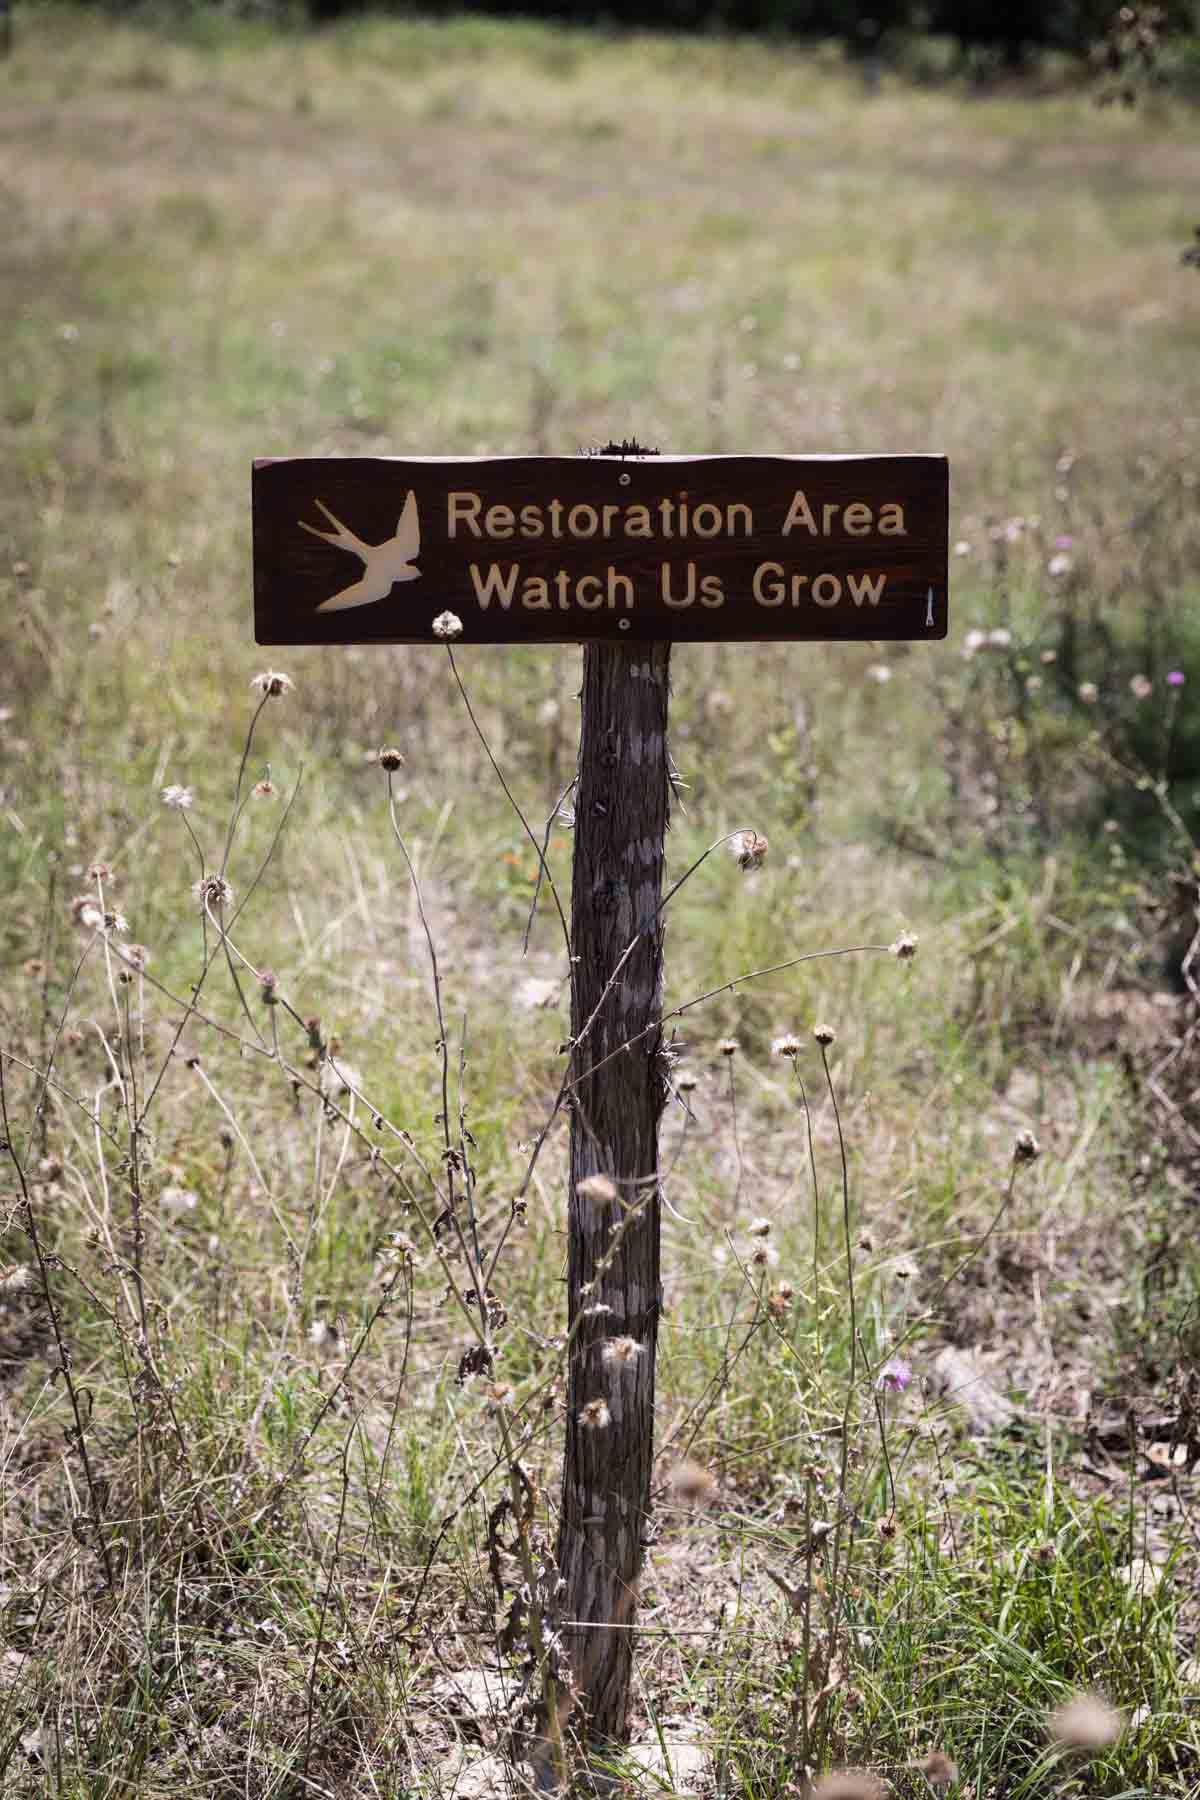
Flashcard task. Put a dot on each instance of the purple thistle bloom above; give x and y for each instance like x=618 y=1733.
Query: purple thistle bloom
x=1175 y=678
x=895 y=1374
x=1063 y=541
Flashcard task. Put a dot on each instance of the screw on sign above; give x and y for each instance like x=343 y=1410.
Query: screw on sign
x=626 y=552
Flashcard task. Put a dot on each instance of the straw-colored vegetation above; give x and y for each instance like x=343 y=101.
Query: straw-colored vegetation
x=243 y=1551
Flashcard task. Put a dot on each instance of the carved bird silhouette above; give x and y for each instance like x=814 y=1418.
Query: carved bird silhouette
x=384 y=564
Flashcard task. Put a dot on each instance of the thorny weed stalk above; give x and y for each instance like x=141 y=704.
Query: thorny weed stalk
x=187 y=1500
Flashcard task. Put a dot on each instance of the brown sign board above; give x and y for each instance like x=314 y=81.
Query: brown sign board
x=545 y=549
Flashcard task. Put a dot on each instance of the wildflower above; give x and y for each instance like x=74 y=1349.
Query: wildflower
x=1175 y=678
x=690 y=1482
x=759 y=1228
x=1088 y=692
x=498 y=1396
x=390 y=759
x=685 y=1081
x=265 y=789
x=895 y=1375
x=1026 y=1149
x=100 y=871
x=213 y=892
x=595 y=1415
x=938 y=1769
x=762 y=1254
x=728 y=1046
x=885 y=1529
x=787 y=1045
x=1141 y=687
x=1060 y=564
x=824 y=1035
x=271 y=684
x=137 y=956
x=905 y=946
x=1063 y=541
x=178 y=797
x=623 y=1351
x=447 y=625
x=781 y=1299
x=974 y=640
x=880 y=672
x=749 y=849
x=115 y=921
x=268 y=981
x=15 y=1278
x=1086 y=1723
x=597 y=1189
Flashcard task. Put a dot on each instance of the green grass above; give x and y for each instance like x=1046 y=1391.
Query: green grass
x=459 y=237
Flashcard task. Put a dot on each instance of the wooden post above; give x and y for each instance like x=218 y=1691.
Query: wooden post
x=622 y=801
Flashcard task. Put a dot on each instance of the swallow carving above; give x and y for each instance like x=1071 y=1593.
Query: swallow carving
x=383 y=564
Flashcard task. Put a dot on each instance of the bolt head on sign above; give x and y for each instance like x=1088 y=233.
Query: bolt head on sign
x=548 y=549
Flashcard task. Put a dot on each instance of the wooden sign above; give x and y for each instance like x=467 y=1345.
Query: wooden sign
x=543 y=549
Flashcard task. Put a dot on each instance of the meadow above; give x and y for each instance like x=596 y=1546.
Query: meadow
x=249 y=1538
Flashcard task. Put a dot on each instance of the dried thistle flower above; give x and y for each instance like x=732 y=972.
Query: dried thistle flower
x=759 y=1228
x=15 y=1278
x=447 y=625
x=1086 y=1722
x=390 y=759
x=938 y=1769
x=87 y=911
x=595 y=1415
x=176 y=796
x=213 y=892
x=781 y=1299
x=271 y=684
x=597 y=1190
x=905 y=946
x=100 y=871
x=622 y=1352
x=1026 y=1149
x=137 y=956
x=268 y=981
x=690 y=1482
x=728 y=1046
x=265 y=789
x=749 y=849
x=787 y=1045
x=685 y=1081
x=824 y=1034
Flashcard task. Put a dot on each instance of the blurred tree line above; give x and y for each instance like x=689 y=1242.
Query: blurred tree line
x=1005 y=31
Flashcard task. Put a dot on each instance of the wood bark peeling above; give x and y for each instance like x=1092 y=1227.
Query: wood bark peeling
x=622 y=804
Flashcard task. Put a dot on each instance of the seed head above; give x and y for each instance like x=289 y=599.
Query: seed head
x=268 y=981
x=1088 y=692
x=749 y=849
x=137 y=956
x=938 y=1769
x=1141 y=687
x=728 y=1046
x=100 y=871
x=1026 y=1149
x=895 y=1375
x=390 y=759
x=178 y=797
x=759 y=1228
x=787 y=1045
x=271 y=684
x=621 y=1352
x=1086 y=1723
x=265 y=789
x=849 y=1784
x=447 y=625
x=824 y=1034
x=595 y=1415
x=213 y=892
x=690 y=1482
x=905 y=946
